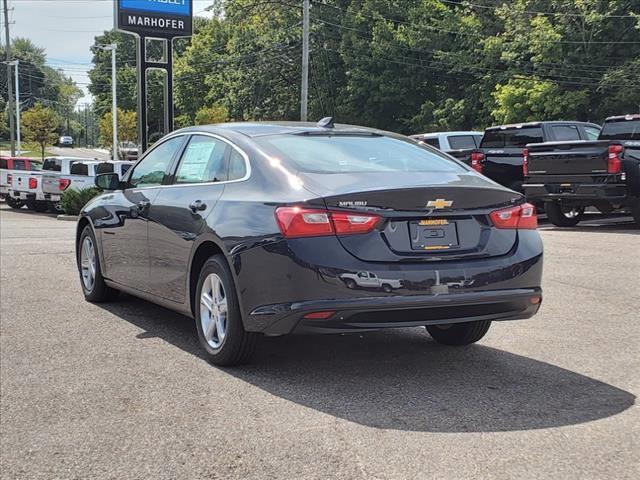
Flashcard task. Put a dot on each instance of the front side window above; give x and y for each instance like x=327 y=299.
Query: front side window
x=203 y=161
x=152 y=168
x=356 y=153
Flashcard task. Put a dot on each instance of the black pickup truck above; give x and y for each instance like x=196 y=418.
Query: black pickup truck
x=570 y=176
x=500 y=155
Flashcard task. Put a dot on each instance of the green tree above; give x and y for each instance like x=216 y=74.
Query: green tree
x=40 y=125
x=127 y=128
x=214 y=114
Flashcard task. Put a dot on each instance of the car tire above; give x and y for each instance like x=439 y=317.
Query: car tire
x=350 y=284
x=635 y=210
x=91 y=279
x=14 y=202
x=387 y=288
x=560 y=217
x=457 y=334
x=52 y=207
x=37 y=206
x=218 y=317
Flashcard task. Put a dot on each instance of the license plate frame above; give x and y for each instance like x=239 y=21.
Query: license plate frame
x=433 y=234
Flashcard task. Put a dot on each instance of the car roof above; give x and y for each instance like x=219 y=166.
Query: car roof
x=437 y=134
x=258 y=129
x=617 y=118
x=538 y=124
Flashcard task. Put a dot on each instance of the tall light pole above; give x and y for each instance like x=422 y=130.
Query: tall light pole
x=304 y=94
x=9 y=85
x=18 y=146
x=112 y=47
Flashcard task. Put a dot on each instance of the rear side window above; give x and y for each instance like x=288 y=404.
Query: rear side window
x=19 y=165
x=104 y=167
x=511 y=137
x=565 y=132
x=237 y=165
x=461 y=142
x=344 y=153
x=203 y=161
x=621 y=130
x=79 y=169
x=592 y=133
x=52 y=164
x=434 y=142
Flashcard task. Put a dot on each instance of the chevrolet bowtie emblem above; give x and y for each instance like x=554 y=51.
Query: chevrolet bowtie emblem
x=439 y=203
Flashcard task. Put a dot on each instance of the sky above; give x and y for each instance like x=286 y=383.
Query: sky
x=66 y=29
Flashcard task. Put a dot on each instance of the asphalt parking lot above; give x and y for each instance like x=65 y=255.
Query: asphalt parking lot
x=120 y=390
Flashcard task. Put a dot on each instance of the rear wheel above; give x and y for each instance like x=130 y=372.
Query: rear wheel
x=563 y=216
x=459 y=333
x=218 y=319
x=91 y=280
x=37 y=206
x=52 y=207
x=635 y=210
x=14 y=202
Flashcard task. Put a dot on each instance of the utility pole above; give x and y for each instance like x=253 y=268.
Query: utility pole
x=305 y=61
x=112 y=47
x=9 y=84
x=18 y=145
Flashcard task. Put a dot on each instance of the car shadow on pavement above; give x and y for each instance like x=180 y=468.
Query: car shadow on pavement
x=402 y=380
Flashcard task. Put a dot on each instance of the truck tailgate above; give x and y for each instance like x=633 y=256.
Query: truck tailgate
x=568 y=158
x=50 y=183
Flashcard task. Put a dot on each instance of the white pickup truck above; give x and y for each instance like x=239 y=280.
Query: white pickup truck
x=370 y=280
x=76 y=175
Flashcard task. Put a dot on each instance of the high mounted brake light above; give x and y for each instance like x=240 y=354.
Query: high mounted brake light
x=614 y=164
x=296 y=222
x=525 y=162
x=520 y=217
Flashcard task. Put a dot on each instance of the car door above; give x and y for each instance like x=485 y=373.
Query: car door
x=178 y=214
x=124 y=228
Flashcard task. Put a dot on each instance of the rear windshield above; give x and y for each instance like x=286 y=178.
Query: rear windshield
x=79 y=169
x=511 y=137
x=461 y=142
x=104 y=167
x=356 y=154
x=621 y=130
x=52 y=164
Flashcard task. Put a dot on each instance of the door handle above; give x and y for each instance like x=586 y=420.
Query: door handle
x=197 y=206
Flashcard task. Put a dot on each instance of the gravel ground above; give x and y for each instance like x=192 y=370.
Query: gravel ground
x=121 y=391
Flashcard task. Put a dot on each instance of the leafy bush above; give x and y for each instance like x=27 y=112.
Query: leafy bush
x=73 y=200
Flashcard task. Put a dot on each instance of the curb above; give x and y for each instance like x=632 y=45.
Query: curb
x=68 y=218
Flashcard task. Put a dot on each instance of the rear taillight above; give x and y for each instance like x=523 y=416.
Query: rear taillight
x=9 y=178
x=33 y=183
x=614 y=164
x=525 y=162
x=521 y=217
x=295 y=222
x=476 y=161
x=63 y=183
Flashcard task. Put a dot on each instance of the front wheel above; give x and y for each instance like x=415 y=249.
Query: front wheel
x=563 y=216
x=218 y=318
x=459 y=333
x=14 y=202
x=91 y=280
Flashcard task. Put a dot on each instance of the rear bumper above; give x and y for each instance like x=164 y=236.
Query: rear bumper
x=278 y=284
x=576 y=192
x=373 y=313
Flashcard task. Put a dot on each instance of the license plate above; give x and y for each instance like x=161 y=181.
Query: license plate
x=433 y=234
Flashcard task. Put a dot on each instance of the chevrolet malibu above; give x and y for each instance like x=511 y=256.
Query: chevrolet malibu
x=254 y=229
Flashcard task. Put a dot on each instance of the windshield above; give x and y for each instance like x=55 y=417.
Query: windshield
x=511 y=137
x=621 y=130
x=335 y=153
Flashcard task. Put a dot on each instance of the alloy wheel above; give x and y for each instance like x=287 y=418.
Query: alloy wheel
x=88 y=264
x=213 y=311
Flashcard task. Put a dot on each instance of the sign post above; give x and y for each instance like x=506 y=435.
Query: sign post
x=161 y=20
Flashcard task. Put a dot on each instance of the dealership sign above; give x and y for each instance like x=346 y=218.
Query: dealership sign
x=155 y=18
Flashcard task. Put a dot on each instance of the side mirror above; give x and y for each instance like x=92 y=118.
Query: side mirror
x=107 y=181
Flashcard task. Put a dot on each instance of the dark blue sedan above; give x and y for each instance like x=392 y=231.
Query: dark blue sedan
x=277 y=228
